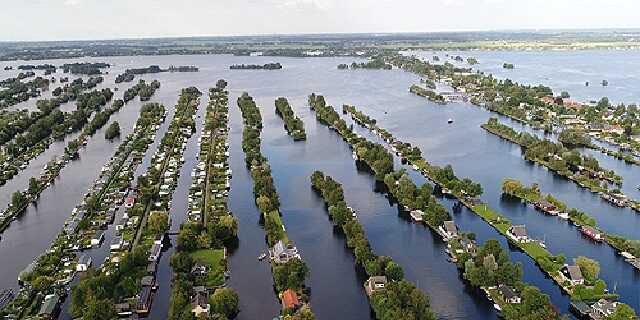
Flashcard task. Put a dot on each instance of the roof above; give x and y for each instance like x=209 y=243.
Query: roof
x=544 y=203
x=290 y=299
x=574 y=272
x=507 y=292
x=50 y=304
x=450 y=226
x=84 y=259
x=98 y=235
x=199 y=299
x=147 y=281
x=518 y=231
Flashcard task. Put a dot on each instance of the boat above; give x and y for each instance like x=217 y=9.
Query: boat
x=450 y=121
x=262 y=256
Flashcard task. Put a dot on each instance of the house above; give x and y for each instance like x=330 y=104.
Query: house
x=97 y=238
x=116 y=244
x=199 y=303
x=290 y=300
x=148 y=281
x=592 y=233
x=416 y=215
x=152 y=268
x=545 y=206
x=129 y=202
x=571 y=104
x=375 y=283
x=468 y=246
x=603 y=309
x=123 y=309
x=548 y=100
x=154 y=252
x=614 y=129
x=144 y=300
x=572 y=274
x=518 y=233
x=158 y=239
x=508 y=294
x=50 y=307
x=281 y=253
x=449 y=230
x=199 y=270
x=84 y=262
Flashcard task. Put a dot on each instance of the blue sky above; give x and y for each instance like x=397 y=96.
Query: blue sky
x=109 y=19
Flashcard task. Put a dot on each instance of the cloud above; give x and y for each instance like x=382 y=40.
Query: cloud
x=72 y=3
x=317 y=4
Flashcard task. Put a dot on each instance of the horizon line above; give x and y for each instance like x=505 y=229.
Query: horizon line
x=453 y=31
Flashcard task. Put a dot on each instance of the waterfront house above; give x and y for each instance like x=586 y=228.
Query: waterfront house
x=129 y=202
x=154 y=252
x=592 y=233
x=199 y=303
x=518 y=233
x=508 y=295
x=50 y=307
x=144 y=300
x=116 y=244
x=97 y=238
x=572 y=274
x=375 y=283
x=199 y=270
x=159 y=238
x=603 y=309
x=148 y=281
x=84 y=262
x=545 y=206
x=468 y=246
x=449 y=230
x=152 y=268
x=581 y=308
x=123 y=309
x=416 y=215
x=282 y=253
x=290 y=300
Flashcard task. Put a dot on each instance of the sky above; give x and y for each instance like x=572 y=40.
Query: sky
x=26 y=20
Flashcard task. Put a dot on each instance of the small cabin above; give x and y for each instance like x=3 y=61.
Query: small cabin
x=508 y=295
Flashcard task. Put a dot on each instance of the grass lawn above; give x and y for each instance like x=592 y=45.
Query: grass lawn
x=214 y=259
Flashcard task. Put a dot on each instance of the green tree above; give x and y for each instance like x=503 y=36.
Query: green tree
x=225 y=302
x=623 y=312
x=33 y=186
x=393 y=271
x=590 y=268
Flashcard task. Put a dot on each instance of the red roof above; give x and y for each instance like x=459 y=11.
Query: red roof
x=548 y=99
x=290 y=299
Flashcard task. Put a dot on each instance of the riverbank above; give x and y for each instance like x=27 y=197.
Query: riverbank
x=453 y=186
x=288 y=269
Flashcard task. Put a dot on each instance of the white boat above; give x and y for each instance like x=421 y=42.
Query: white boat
x=450 y=121
x=262 y=256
